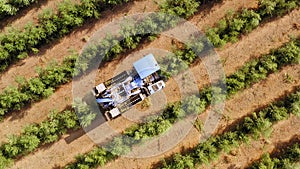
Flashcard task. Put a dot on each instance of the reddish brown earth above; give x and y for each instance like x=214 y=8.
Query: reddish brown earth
x=245 y=154
x=63 y=97
x=266 y=92
x=72 y=42
x=260 y=41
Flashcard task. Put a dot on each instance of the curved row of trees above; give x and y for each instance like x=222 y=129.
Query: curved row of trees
x=287 y=54
x=17 y=44
x=234 y=24
x=11 y=7
x=286 y=160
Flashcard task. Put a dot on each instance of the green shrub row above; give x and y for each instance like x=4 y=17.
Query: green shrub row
x=251 y=72
x=11 y=7
x=16 y=44
x=48 y=131
x=35 y=89
x=173 y=112
x=15 y=98
x=253 y=126
x=130 y=36
x=234 y=24
x=182 y=8
x=287 y=159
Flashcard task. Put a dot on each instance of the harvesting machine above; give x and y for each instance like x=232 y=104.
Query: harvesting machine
x=118 y=94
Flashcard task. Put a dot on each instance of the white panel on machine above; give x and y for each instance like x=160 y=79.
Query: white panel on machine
x=100 y=88
x=114 y=112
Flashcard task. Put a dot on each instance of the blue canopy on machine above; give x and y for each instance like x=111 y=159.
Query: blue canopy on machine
x=146 y=66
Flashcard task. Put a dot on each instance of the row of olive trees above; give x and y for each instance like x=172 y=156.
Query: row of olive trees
x=250 y=73
x=35 y=89
x=131 y=34
x=284 y=55
x=11 y=7
x=48 y=131
x=286 y=160
x=253 y=126
x=17 y=44
x=183 y=8
x=287 y=54
x=234 y=24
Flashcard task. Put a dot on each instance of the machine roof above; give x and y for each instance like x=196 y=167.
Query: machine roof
x=146 y=66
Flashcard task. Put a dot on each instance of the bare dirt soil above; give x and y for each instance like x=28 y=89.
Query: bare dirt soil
x=72 y=42
x=245 y=154
x=28 y=14
x=63 y=96
x=269 y=36
x=260 y=41
x=266 y=91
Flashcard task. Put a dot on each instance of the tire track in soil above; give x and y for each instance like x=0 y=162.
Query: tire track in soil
x=283 y=131
x=266 y=92
x=85 y=136
x=75 y=41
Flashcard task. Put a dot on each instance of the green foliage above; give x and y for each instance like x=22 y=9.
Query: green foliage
x=255 y=125
x=37 y=88
x=257 y=70
x=35 y=135
x=84 y=114
x=265 y=162
x=97 y=157
x=11 y=7
x=234 y=24
x=16 y=44
x=287 y=158
x=183 y=8
x=276 y=7
x=130 y=36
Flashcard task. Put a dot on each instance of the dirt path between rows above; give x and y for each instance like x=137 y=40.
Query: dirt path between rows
x=63 y=96
x=36 y=113
x=240 y=157
x=266 y=92
x=29 y=14
x=61 y=48
x=76 y=146
x=72 y=42
x=14 y=125
x=210 y=17
x=137 y=163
